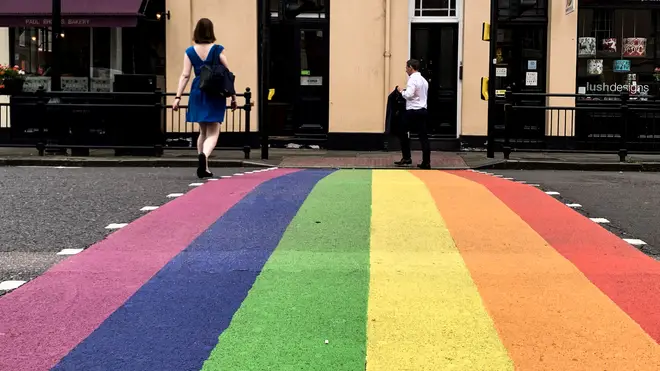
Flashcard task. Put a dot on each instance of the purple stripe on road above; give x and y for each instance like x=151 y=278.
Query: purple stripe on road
x=46 y=318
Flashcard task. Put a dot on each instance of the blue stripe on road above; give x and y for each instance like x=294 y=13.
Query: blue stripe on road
x=174 y=320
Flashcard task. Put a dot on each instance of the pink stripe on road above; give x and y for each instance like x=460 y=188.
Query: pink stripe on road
x=45 y=319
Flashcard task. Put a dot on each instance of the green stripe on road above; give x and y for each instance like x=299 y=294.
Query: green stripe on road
x=313 y=288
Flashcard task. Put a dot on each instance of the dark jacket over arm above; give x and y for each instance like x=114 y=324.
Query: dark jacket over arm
x=396 y=106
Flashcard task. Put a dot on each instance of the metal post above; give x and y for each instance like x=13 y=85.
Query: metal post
x=508 y=117
x=56 y=73
x=263 y=11
x=492 y=55
x=623 y=146
x=247 y=145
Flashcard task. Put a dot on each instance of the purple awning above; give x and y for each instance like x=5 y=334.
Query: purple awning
x=75 y=13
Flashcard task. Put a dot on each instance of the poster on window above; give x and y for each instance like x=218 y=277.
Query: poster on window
x=570 y=6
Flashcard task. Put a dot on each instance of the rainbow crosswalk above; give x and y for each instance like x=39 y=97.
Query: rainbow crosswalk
x=345 y=270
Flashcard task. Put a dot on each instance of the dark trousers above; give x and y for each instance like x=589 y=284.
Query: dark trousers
x=415 y=120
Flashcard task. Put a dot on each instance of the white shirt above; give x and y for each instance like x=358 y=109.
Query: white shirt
x=416 y=93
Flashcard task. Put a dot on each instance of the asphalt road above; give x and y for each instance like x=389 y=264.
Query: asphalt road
x=45 y=210
x=630 y=201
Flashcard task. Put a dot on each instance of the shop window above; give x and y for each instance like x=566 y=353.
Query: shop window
x=618 y=51
x=521 y=10
x=91 y=57
x=435 y=8
x=304 y=8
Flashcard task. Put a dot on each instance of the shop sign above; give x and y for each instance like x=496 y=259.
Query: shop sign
x=605 y=88
x=311 y=80
x=41 y=22
x=570 y=6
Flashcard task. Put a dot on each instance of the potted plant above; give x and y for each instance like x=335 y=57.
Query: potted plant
x=11 y=80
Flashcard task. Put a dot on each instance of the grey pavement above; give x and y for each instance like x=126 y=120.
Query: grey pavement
x=563 y=161
x=44 y=210
x=629 y=200
x=474 y=158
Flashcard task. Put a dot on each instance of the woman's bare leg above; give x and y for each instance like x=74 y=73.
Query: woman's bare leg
x=212 y=134
x=201 y=138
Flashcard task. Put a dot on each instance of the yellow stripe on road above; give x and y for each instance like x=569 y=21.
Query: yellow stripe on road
x=425 y=313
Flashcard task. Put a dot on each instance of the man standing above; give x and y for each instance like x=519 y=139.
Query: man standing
x=416 y=95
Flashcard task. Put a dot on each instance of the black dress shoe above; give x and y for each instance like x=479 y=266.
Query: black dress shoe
x=424 y=166
x=403 y=162
x=201 y=165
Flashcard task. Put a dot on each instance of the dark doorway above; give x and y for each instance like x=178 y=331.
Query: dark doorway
x=299 y=74
x=522 y=65
x=435 y=45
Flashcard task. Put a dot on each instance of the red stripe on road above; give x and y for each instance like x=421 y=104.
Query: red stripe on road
x=46 y=318
x=626 y=275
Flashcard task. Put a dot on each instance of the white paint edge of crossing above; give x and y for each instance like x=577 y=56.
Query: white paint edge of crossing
x=174 y=195
x=70 y=251
x=635 y=241
x=574 y=206
x=116 y=225
x=149 y=208
x=599 y=220
x=11 y=285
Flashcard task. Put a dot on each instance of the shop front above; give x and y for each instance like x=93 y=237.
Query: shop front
x=618 y=51
x=101 y=42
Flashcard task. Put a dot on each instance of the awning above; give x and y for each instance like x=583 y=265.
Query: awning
x=75 y=13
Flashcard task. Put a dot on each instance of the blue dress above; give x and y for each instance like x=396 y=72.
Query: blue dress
x=201 y=107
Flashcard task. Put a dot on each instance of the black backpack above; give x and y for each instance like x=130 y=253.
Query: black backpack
x=214 y=78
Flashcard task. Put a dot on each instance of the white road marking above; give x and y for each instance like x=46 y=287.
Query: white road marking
x=225 y=176
x=116 y=225
x=149 y=208
x=174 y=195
x=575 y=206
x=552 y=193
x=534 y=185
x=521 y=181
x=599 y=220
x=11 y=285
x=239 y=174
x=634 y=241
x=498 y=175
x=70 y=252
x=195 y=184
x=211 y=179
x=66 y=167
x=508 y=178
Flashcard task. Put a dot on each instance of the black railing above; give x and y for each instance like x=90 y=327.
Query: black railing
x=597 y=123
x=129 y=123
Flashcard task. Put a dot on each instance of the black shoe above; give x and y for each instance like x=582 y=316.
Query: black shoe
x=201 y=167
x=424 y=166
x=403 y=162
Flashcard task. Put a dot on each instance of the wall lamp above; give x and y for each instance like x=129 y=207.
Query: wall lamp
x=160 y=15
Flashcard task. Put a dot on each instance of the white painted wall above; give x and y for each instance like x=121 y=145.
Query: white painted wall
x=4 y=59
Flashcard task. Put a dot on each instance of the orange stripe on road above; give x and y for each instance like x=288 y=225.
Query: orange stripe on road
x=548 y=314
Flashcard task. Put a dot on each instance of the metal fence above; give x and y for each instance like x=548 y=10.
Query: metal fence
x=129 y=123
x=597 y=123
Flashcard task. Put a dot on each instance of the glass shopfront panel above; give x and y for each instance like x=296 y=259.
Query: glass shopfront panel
x=91 y=57
x=618 y=51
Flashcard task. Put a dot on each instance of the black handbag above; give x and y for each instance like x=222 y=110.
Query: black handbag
x=216 y=79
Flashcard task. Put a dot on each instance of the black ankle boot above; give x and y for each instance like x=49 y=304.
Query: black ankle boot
x=201 y=165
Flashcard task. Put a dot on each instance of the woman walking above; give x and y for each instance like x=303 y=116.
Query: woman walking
x=206 y=110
